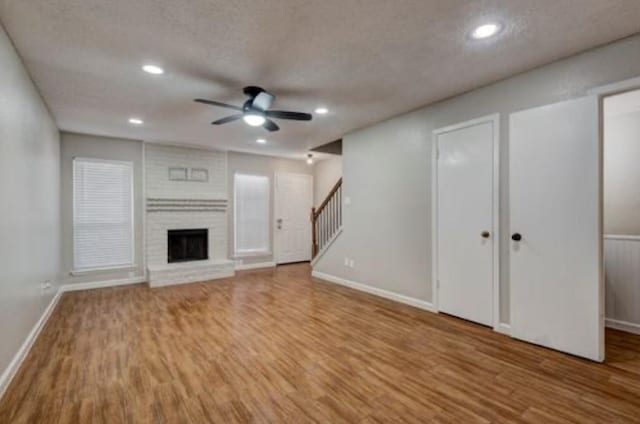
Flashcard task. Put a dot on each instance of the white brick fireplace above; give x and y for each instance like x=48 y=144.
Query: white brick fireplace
x=185 y=189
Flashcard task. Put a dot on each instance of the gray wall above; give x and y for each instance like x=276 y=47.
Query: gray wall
x=260 y=165
x=90 y=146
x=622 y=174
x=326 y=174
x=29 y=205
x=387 y=171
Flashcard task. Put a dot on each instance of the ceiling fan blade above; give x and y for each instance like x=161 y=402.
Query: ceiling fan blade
x=227 y=119
x=283 y=114
x=214 y=103
x=263 y=101
x=270 y=125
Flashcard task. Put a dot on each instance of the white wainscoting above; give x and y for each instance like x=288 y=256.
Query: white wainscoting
x=622 y=282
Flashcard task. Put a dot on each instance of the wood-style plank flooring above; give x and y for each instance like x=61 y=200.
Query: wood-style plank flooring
x=279 y=346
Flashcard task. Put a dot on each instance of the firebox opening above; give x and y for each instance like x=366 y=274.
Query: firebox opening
x=188 y=245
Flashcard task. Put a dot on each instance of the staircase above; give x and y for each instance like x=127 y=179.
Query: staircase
x=326 y=220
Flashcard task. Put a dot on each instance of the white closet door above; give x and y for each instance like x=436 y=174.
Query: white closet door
x=555 y=204
x=465 y=216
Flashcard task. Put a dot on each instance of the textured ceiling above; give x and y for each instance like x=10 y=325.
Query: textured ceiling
x=366 y=60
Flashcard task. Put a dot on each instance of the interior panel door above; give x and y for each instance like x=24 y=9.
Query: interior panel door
x=293 y=202
x=555 y=206
x=464 y=228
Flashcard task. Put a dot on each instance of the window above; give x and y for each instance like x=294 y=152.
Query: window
x=102 y=214
x=251 y=214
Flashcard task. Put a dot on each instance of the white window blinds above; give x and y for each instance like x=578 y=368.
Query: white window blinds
x=251 y=210
x=102 y=214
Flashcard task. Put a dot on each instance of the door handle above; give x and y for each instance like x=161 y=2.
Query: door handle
x=485 y=234
x=516 y=237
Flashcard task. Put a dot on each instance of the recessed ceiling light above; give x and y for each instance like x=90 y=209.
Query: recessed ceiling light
x=136 y=121
x=261 y=141
x=310 y=159
x=153 y=69
x=322 y=111
x=254 y=119
x=485 y=31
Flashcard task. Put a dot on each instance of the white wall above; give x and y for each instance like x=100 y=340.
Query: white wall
x=260 y=165
x=91 y=146
x=622 y=174
x=29 y=205
x=326 y=174
x=387 y=171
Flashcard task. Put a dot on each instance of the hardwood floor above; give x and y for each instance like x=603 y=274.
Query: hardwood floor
x=277 y=346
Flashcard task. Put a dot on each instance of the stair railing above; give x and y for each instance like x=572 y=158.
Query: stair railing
x=326 y=219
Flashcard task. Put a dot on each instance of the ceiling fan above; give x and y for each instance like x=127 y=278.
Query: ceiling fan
x=255 y=111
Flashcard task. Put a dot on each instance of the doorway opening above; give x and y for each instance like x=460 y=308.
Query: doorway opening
x=621 y=210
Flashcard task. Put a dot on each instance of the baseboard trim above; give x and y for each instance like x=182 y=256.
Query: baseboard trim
x=11 y=371
x=503 y=328
x=258 y=265
x=102 y=284
x=629 y=327
x=417 y=303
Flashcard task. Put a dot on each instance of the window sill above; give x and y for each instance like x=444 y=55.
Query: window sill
x=80 y=272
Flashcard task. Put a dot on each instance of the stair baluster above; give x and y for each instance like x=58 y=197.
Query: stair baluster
x=326 y=219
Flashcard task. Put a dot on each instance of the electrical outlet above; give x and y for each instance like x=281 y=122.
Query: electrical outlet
x=347 y=200
x=346 y=261
x=352 y=263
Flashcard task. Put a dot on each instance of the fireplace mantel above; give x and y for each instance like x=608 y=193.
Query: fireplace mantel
x=181 y=205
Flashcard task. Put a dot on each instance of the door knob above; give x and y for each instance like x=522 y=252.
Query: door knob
x=485 y=234
x=516 y=237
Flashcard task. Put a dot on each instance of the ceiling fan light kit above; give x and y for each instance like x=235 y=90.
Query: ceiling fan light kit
x=255 y=111
x=254 y=119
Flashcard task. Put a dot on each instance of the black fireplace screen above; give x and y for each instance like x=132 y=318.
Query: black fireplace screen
x=188 y=245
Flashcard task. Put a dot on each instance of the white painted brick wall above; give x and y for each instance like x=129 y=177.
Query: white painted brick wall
x=201 y=272
x=158 y=160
